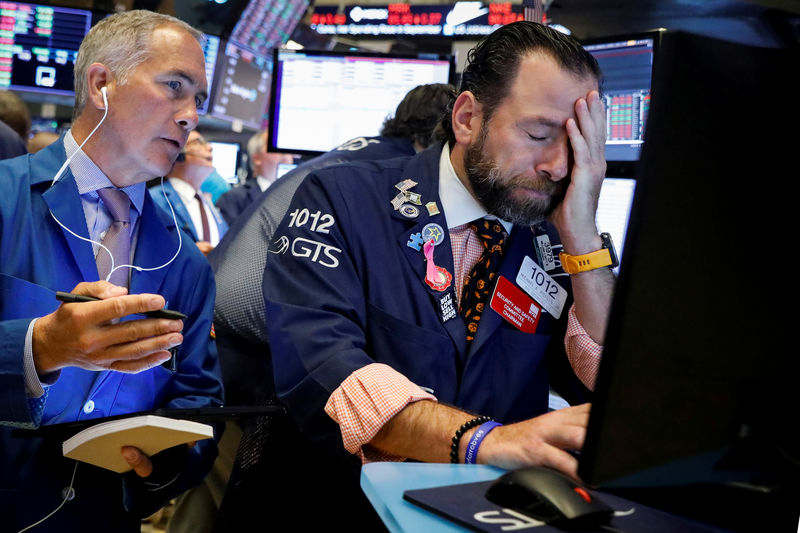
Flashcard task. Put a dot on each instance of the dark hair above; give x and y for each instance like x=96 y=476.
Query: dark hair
x=419 y=113
x=493 y=64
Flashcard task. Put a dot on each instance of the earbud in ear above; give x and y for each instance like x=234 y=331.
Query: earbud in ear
x=103 y=90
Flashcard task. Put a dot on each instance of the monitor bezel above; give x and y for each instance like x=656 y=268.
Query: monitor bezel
x=690 y=467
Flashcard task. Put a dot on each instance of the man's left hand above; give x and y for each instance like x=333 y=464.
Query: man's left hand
x=141 y=464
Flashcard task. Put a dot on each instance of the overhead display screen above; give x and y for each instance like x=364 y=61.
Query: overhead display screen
x=38 y=46
x=447 y=20
x=267 y=24
x=627 y=66
x=242 y=87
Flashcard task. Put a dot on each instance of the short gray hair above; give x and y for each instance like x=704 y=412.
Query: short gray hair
x=256 y=145
x=121 y=42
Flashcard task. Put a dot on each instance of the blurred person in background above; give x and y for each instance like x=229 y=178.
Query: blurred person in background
x=264 y=171
x=41 y=139
x=195 y=213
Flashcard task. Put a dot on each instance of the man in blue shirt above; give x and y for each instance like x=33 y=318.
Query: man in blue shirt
x=75 y=217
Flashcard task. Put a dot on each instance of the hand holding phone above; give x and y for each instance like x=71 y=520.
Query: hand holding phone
x=91 y=336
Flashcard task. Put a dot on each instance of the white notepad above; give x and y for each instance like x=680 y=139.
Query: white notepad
x=100 y=444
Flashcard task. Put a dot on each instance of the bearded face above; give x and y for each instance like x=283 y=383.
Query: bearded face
x=520 y=199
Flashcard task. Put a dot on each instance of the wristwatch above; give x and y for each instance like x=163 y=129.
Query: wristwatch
x=604 y=257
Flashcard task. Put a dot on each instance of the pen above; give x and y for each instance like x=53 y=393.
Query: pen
x=161 y=313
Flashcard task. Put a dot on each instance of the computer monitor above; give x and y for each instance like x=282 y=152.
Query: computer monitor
x=342 y=94
x=696 y=385
x=284 y=168
x=211 y=53
x=614 y=209
x=45 y=125
x=268 y=24
x=627 y=63
x=242 y=87
x=40 y=47
x=225 y=158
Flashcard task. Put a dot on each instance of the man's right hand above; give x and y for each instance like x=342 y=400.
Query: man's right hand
x=423 y=431
x=83 y=335
x=540 y=441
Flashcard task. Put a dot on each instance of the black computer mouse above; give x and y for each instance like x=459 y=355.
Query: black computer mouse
x=550 y=497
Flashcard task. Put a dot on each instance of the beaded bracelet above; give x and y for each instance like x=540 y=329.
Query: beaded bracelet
x=466 y=426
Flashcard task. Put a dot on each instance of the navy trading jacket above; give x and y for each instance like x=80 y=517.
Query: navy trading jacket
x=344 y=287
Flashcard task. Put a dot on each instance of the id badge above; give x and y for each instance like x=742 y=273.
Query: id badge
x=544 y=250
x=515 y=306
x=542 y=287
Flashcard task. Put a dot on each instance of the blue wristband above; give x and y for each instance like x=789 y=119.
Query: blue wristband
x=471 y=454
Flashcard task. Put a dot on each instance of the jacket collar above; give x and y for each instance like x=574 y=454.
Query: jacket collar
x=156 y=240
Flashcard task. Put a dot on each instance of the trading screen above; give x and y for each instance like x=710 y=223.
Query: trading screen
x=242 y=87
x=38 y=46
x=210 y=52
x=627 y=72
x=344 y=96
x=614 y=209
x=267 y=24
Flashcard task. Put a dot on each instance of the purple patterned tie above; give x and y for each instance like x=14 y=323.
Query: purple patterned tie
x=117 y=238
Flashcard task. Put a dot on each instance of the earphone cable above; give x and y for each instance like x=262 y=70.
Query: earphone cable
x=69 y=493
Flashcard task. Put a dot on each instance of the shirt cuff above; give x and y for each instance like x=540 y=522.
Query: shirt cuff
x=583 y=353
x=34 y=387
x=367 y=400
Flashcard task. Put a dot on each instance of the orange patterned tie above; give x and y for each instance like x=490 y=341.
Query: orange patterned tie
x=482 y=277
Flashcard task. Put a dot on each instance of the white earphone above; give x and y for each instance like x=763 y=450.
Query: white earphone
x=103 y=91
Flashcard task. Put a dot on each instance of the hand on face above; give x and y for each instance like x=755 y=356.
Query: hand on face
x=575 y=217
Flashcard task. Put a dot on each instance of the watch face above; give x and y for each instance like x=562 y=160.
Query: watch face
x=612 y=251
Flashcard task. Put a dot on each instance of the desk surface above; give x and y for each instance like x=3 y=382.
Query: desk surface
x=384 y=484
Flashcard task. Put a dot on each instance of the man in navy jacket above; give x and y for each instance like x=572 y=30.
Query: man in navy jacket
x=369 y=350
x=139 y=76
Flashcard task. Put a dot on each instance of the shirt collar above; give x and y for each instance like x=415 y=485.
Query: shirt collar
x=458 y=204
x=184 y=189
x=89 y=177
x=263 y=183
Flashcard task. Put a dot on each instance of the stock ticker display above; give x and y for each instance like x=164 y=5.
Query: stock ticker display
x=627 y=67
x=38 y=46
x=266 y=24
